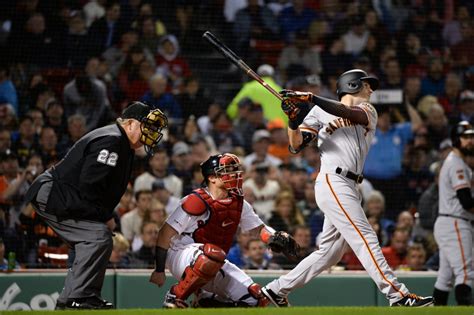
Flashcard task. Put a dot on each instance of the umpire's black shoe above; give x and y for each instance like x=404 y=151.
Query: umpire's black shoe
x=278 y=301
x=413 y=300
x=89 y=303
x=60 y=306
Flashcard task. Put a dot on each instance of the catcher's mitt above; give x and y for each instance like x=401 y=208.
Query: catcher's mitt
x=282 y=242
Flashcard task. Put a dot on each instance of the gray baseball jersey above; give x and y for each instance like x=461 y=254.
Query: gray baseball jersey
x=341 y=146
x=455 y=174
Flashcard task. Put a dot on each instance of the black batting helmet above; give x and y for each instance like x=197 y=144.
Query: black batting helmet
x=462 y=128
x=350 y=82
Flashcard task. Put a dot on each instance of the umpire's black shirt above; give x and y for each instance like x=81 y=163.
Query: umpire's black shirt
x=90 y=180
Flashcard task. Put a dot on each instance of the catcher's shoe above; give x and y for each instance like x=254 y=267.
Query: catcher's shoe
x=171 y=301
x=278 y=301
x=413 y=300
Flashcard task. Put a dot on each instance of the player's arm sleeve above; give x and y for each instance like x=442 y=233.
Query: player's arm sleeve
x=309 y=129
x=249 y=219
x=179 y=220
x=465 y=198
x=354 y=113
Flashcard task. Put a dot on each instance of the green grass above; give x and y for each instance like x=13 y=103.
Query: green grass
x=273 y=311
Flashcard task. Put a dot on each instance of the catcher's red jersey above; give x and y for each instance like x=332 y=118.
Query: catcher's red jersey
x=224 y=218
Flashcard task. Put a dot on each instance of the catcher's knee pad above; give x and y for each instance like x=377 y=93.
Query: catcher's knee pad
x=255 y=291
x=203 y=270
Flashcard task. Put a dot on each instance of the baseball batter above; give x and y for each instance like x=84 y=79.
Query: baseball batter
x=453 y=227
x=344 y=130
x=196 y=237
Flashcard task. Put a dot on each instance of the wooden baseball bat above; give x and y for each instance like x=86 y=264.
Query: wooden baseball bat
x=236 y=60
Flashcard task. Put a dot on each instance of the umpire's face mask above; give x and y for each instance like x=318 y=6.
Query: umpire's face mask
x=151 y=129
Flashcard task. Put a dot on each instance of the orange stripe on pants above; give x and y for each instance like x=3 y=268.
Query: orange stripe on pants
x=363 y=238
x=464 y=266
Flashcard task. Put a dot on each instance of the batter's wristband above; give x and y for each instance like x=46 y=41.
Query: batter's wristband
x=293 y=125
x=160 y=258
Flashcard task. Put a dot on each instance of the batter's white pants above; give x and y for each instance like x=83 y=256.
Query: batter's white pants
x=229 y=284
x=454 y=238
x=345 y=224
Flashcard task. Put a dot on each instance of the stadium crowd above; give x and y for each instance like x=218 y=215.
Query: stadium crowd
x=70 y=66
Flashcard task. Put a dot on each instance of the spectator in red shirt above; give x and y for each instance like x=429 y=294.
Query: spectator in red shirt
x=170 y=63
x=395 y=254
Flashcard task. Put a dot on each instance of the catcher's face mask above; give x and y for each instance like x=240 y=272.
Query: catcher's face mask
x=230 y=173
x=151 y=127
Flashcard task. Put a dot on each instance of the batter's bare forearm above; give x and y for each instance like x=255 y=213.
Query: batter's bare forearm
x=295 y=138
x=165 y=235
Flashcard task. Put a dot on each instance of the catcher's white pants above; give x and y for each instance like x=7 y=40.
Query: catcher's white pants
x=345 y=224
x=229 y=284
x=454 y=238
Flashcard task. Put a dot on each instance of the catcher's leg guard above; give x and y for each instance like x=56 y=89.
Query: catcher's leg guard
x=255 y=291
x=202 y=271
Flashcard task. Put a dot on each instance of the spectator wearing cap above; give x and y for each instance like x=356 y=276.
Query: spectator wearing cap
x=465 y=109
x=54 y=117
x=299 y=53
x=260 y=144
x=158 y=168
x=295 y=18
x=279 y=140
x=162 y=194
x=181 y=163
x=193 y=99
x=25 y=141
x=258 y=94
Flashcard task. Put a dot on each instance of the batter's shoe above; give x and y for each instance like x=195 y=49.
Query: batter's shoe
x=413 y=300
x=171 y=301
x=89 y=303
x=278 y=301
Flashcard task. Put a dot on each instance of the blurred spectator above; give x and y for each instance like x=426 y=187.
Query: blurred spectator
x=126 y=203
x=299 y=177
x=285 y=216
x=412 y=89
x=158 y=165
x=436 y=125
x=223 y=135
x=256 y=258
x=182 y=164
x=170 y=63
x=76 y=128
x=87 y=96
x=462 y=53
x=54 y=118
x=118 y=57
x=260 y=144
x=146 y=252
x=162 y=194
x=428 y=202
x=8 y=92
x=255 y=21
x=313 y=216
x=264 y=189
x=25 y=141
x=279 y=140
x=392 y=78
x=258 y=94
x=452 y=88
x=299 y=53
x=38 y=119
x=77 y=46
x=383 y=166
x=334 y=58
x=5 y=141
x=157 y=97
x=106 y=31
x=48 y=142
x=40 y=94
x=150 y=29
x=193 y=100
x=295 y=18
x=374 y=206
x=452 y=33
x=409 y=49
x=465 y=110
x=119 y=259
x=433 y=83
x=416 y=174
x=201 y=150
x=4 y=265
x=131 y=222
x=395 y=254
x=249 y=119
x=8 y=118
x=94 y=10
x=405 y=221
x=239 y=252
x=415 y=259
x=355 y=39
x=205 y=122
x=376 y=28
x=157 y=213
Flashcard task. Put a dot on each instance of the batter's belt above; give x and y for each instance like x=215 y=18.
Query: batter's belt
x=355 y=177
x=456 y=217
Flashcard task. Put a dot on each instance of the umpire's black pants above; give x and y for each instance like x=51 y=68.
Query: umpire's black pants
x=92 y=243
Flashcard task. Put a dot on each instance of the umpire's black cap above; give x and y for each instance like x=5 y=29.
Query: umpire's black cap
x=136 y=110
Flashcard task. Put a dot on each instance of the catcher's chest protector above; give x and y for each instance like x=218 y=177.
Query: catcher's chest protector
x=219 y=229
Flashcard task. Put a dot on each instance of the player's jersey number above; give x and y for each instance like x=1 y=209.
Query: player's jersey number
x=108 y=158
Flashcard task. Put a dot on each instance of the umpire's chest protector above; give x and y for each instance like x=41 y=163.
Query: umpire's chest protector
x=224 y=218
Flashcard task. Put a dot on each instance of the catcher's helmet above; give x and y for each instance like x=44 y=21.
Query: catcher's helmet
x=462 y=128
x=152 y=123
x=227 y=167
x=350 y=82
